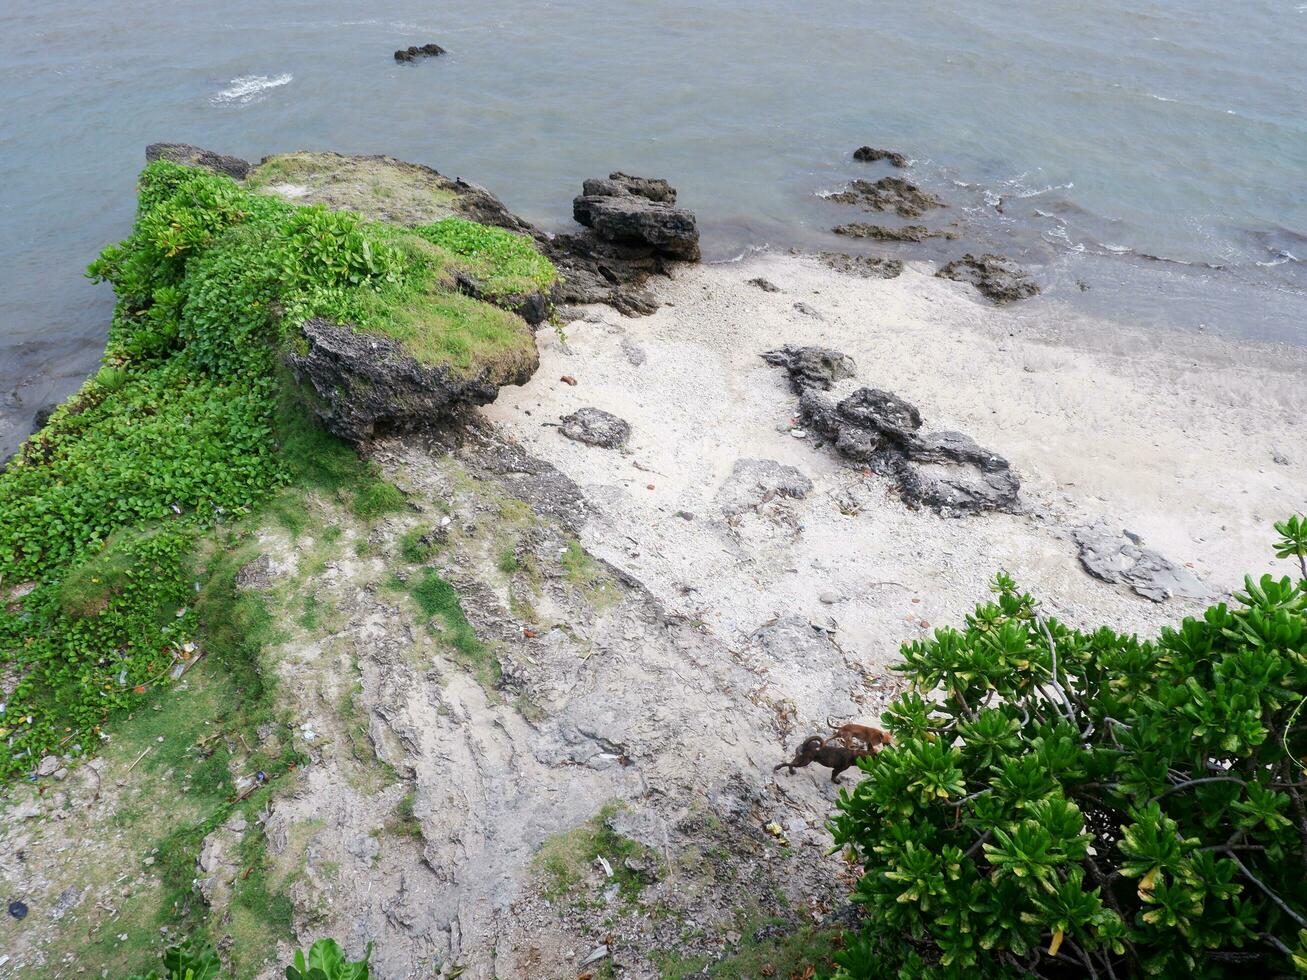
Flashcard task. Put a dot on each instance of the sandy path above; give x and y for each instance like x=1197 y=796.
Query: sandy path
x=1172 y=437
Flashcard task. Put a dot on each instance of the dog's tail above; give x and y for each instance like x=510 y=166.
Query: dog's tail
x=832 y=724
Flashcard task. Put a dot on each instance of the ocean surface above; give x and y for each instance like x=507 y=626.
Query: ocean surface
x=1154 y=151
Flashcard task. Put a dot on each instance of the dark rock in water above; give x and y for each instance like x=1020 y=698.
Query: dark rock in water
x=766 y=285
x=903 y=197
x=194 y=156
x=415 y=51
x=947 y=471
x=811 y=367
x=360 y=384
x=885 y=233
x=869 y=154
x=595 y=427
x=997 y=276
x=638 y=211
x=1112 y=556
x=867 y=266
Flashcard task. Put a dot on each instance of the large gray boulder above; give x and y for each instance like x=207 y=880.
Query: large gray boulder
x=638 y=211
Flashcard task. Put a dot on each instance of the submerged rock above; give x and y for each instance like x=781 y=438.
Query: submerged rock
x=869 y=154
x=595 y=427
x=997 y=276
x=1116 y=557
x=361 y=384
x=886 y=233
x=415 y=51
x=947 y=471
x=811 y=367
x=895 y=194
x=867 y=266
x=195 y=156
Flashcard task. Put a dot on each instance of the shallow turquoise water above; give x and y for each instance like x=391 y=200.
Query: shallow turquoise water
x=1108 y=130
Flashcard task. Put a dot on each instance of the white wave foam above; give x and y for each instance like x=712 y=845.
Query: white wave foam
x=250 y=88
x=1026 y=192
x=1281 y=257
x=1160 y=98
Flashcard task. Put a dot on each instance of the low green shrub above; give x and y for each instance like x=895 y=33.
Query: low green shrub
x=1085 y=803
x=503 y=262
x=187 y=422
x=326 y=961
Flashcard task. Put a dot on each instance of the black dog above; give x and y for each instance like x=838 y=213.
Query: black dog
x=835 y=757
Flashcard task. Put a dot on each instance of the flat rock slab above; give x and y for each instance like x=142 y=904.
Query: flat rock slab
x=195 y=156
x=893 y=194
x=866 y=266
x=997 y=276
x=754 y=482
x=1112 y=555
x=811 y=367
x=595 y=427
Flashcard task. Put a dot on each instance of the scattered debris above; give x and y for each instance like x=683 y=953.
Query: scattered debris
x=807 y=310
x=567 y=379
x=766 y=285
x=18 y=909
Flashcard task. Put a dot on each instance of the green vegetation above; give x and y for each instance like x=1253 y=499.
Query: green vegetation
x=794 y=953
x=565 y=860
x=439 y=601
x=1078 y=803
x=189 y=423
x=326 y=961
x=502 y=262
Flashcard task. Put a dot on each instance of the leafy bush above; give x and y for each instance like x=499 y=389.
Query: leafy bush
x=504 y=263
x=326 y=961
x=180 y=426
x=1068 y=803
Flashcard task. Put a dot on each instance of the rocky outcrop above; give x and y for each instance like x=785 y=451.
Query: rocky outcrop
x=947 y=471
x=638 y=211
x=895 y=194
x=811 y=367
x=360 y=385
x=415 y=51
x=886 y=233
x=633 y=231
x=869 y=154
x=1119 y=557
x=194 y=156
x=997 y=276
x=595 y=427
x=867 y=266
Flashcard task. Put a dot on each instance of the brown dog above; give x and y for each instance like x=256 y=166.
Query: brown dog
x=835 y=757
x=873 y=738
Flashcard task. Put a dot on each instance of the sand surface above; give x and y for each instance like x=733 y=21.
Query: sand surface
x=1173 y=437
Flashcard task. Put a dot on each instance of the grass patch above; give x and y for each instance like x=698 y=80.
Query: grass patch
x=383 y=190
x=374 y=497
x=447 y=329
x=439 y=602
x=508 y=563
x=566 y=860
x=503 y=263
x=803 y=953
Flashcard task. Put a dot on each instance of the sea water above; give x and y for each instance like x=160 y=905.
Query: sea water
x=1153 y=150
